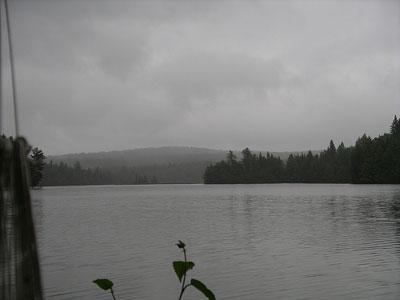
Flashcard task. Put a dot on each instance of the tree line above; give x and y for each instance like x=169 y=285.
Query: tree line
x=63 y=174
x=370 y=160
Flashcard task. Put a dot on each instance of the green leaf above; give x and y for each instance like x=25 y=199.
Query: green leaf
x=202 y=288
x=181 y=244
x=104 y=284
x=181 y=267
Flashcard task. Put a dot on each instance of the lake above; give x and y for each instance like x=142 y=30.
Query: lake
x=276 y=241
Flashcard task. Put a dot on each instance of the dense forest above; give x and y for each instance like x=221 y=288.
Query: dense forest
x=370 y=160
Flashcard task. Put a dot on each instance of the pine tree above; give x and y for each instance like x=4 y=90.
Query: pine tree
x=332 y=148
x=395 y=127
x=36 y=164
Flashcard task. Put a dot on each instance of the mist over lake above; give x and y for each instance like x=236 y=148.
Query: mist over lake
x=278 y=241
x=187 y=150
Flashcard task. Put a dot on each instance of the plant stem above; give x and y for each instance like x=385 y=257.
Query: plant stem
x=184 y=277
x=184 y=288
x=112 y=293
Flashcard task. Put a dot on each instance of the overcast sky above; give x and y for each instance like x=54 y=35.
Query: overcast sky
x=270 y=75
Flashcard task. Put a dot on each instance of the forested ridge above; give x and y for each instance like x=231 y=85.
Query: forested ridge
x=137 y=166
x=370 y=160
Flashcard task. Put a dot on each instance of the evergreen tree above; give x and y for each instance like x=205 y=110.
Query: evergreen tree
x=395 y=127
x=36 y=164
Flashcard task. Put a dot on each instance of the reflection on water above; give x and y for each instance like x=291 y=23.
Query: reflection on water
x=284 y=241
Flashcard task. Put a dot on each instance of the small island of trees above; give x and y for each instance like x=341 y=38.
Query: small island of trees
x=370 y=160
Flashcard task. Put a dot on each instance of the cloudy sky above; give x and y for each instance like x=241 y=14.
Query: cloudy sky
x=271 y=75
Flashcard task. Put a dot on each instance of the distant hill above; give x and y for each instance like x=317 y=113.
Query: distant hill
x=167 y=164
x=151 y=156
x=141 y=157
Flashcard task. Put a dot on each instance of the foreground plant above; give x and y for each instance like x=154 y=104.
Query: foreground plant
x=182 y=267
x=105 y=284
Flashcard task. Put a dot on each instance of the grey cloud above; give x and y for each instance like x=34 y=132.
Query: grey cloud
x=208 y=77
x=102 y=75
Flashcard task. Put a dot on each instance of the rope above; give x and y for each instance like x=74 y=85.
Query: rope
x=12 y=69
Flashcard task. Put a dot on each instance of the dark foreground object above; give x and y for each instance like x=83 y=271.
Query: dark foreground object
x=19 y=267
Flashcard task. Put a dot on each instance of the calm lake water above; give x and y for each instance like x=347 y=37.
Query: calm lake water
x=283 y=241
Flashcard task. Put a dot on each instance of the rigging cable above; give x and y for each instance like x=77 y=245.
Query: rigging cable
x=1 y=73
x=12 y=69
